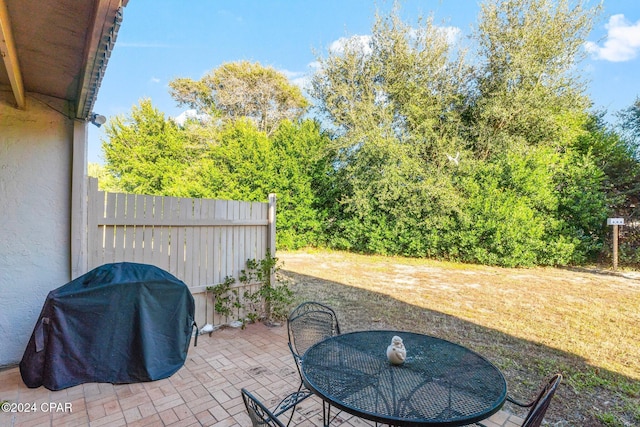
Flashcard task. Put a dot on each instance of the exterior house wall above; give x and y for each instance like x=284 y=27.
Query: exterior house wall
x=36 y=147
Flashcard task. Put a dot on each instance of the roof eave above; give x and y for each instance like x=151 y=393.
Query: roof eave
x=100 y=43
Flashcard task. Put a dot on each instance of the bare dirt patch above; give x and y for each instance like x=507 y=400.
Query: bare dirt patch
x=584 y=323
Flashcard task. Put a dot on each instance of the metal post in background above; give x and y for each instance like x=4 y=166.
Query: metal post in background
x=615 y=222
x=615 y=247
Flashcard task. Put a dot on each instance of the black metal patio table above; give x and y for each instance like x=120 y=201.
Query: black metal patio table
x=440 y=383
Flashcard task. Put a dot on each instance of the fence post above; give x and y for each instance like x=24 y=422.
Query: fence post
x=271 y=234
x=271 y=241
x=94 y=216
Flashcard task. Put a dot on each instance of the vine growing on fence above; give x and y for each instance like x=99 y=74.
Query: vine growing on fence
x=274 y=289
x=269 y=302
x=221 y=295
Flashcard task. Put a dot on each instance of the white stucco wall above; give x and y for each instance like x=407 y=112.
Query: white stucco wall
x=35 y=199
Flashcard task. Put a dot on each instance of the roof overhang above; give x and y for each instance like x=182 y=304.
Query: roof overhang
x=58 y=48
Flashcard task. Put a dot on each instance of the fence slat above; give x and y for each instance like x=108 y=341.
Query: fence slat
x=158 y=235
x=241 y=239
x=231 y=237
x=193 y=241
x=110 y=232
x=204 y=244
x=174 y=212
x=138 y=230
x=262 y=235
x=184 y=212
x=210 y=275
x=221 y=212
x=147 y=236
x=123 y=243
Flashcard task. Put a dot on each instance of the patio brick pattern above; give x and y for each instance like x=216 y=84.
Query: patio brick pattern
x=204 y=392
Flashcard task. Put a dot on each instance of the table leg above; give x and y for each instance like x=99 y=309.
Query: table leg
x=326 y=414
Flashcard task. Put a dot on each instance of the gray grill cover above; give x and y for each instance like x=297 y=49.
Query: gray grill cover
x=119 y=323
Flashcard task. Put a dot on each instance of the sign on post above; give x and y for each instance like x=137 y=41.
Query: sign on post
x=615 y=222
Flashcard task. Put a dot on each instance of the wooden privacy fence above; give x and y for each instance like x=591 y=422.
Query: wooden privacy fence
x=200 y=241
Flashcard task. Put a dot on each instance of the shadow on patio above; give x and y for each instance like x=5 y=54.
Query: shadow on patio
x=205 y=392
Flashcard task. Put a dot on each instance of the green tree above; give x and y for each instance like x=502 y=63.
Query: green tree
x=106 y=181
x=583 y=204
x=146 y=153
x=390 y=203
x=530 y=206
x=503 y=220
x=300 y=167
x=433 y=156
x=402 y=81
x=242 y=90
x=526 y=77
x=616 y=156
x=422 y=80
x=630 y=126
x=245 y=163
x=393 y=101
x=240 y=166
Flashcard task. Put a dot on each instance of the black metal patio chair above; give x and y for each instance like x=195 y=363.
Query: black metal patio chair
x=309 y=323
x=261 y=415
x=539 y=405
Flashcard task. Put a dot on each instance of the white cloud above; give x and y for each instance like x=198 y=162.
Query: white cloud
x=622 y=42
x=302 y=79
x=314 y=66
x=292 y=75
x=154 y=80
x=298 y=78
x=190 y=114
x=360 y=42
x=451 y=34
x=363 y=42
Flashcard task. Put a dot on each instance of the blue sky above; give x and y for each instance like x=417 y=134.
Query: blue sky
x=164 y=39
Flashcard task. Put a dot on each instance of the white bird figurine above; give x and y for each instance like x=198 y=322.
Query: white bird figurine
x=396 y=353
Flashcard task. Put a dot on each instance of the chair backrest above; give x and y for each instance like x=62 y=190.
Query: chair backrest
x=541 y=403
x=309 y=323
x=259 y=414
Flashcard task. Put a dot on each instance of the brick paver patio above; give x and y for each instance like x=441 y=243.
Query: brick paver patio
x=205 y=392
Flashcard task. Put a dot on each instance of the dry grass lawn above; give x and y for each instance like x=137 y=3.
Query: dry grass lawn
x=584 y=323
